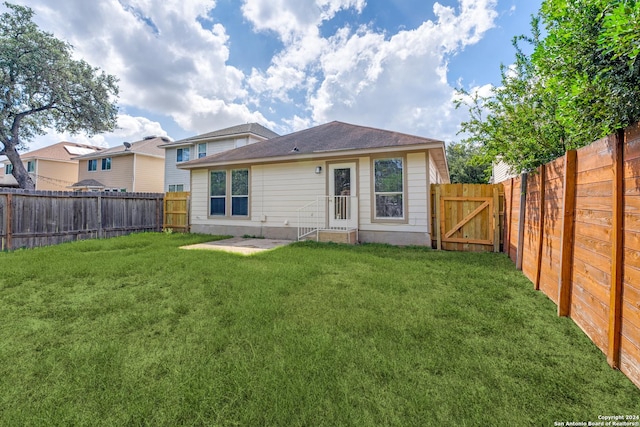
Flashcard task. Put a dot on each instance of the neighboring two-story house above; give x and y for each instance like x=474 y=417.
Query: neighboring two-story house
x=200 y=146
x=52 y=168
x=132 y=167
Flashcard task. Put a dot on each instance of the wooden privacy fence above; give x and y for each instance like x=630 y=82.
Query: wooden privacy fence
x=573 y=227
x=467 y=217
x=40 y=218
x=176 y=211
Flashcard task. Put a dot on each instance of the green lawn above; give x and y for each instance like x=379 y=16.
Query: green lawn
x=134 y=331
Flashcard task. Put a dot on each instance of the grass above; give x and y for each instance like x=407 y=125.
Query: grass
x=134 y=331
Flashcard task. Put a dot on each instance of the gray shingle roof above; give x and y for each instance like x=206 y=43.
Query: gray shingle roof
x=245 y=129
x=330 y=137
x=88 y=183
x=149 y=147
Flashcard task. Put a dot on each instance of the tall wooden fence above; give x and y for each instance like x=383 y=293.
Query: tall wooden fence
x=40 y=218
x=573 y=227
x=467 y=217
x=176 y=211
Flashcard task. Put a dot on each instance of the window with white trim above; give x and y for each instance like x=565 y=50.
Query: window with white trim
x=8 y=169
x=229 y=193
x=389 y=188
x=182 y=154
x=92 y=165
x=202 y=150
x=31 y=166
x=176 y=187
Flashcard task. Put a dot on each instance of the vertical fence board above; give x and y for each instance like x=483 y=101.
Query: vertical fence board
x=630 y=323
x=541 y=214
x=617 y=251
x=568 y=218
x=40 y=218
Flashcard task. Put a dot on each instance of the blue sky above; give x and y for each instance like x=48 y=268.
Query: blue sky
x=192 y=66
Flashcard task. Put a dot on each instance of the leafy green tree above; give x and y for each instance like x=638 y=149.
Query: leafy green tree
x=579 y=83
x=621 y=31
x=43 y=87
x=517 y=121
x=466 y=164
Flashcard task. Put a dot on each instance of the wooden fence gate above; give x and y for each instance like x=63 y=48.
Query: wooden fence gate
x=176 y=211
x=467 y=217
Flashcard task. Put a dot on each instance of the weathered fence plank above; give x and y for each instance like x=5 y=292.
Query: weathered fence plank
x=41 y=218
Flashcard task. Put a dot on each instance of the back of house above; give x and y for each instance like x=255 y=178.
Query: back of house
x=336 y=181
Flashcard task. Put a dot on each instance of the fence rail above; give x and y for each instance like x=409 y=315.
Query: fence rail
x=573 y=228
x=41 y=218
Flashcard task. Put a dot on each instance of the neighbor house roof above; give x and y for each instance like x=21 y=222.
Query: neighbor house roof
x=88 y=183
x=149 y=146
x=245 y=129
x=330 y=139
x=61 y=151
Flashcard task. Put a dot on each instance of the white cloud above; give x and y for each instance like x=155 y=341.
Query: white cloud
x=167 y=62
x=365 y=76
x=129 y=128
x=293 y=19
x=172 y=60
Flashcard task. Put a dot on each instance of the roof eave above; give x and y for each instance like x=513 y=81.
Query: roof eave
x=195 y=140
x=104 y=155
x=316 y=155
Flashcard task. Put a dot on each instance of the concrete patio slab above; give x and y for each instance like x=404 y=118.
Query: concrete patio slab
x=240 y=245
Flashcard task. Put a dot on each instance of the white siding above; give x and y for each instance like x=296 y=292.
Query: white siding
x=279 y=190
x=364 y=195
x=418 y=191
x=435 y=177
x=173 y=175
x=276 y=193
x=501 y=172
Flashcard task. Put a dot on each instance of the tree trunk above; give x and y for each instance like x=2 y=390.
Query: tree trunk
x=19 y=172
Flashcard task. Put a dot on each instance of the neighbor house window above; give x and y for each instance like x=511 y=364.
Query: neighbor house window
x=92 y=165
x=8 y=169
x=389 y=188
x=176 y=187
x=229 y=193
x=106 y=164
x=31 y=166
x=182 y=155
x=202 y=150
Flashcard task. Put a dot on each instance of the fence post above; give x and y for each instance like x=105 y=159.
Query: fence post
x=496 y=218
x=522 y=216
x=566 y=237
x=99 y=199
x=617 y=252
x=541 y=213
x=159 y=202
x=507 y=220
x=438 y=218
x=9 y=228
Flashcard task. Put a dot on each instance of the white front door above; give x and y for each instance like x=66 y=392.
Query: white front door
x=343 y=205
